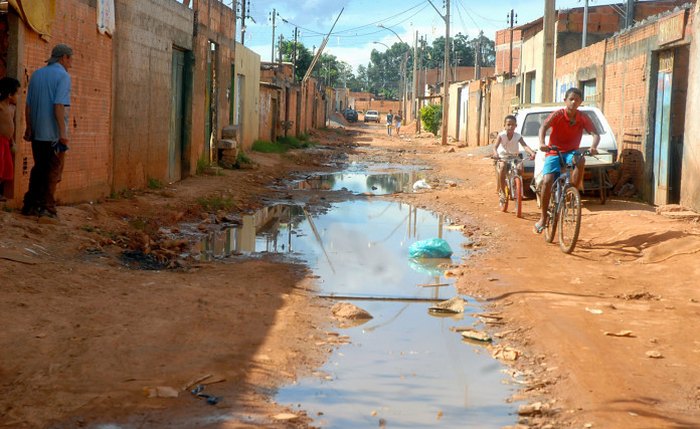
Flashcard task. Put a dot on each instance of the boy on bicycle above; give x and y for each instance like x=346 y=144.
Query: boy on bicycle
x=506 y=144
x=567 y=126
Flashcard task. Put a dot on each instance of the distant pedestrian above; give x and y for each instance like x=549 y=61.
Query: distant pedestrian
x=48 y=103
x=8 y=105
x=397 y=120
x=389 y=122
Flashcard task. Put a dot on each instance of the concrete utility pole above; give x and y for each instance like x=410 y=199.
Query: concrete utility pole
x=415 y=78
x=629 y=15
x=274 y=15
x=243 y=14
x=584 y=34
x=294 y=54
x=512 y=21
x=446 y=80
x=477 y=56
x=547 y=65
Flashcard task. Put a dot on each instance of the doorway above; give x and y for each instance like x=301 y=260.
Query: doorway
x=668 y=124
x=177 y=116
x=210 y=100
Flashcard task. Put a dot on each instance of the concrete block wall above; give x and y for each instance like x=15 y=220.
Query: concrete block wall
x=87 y=172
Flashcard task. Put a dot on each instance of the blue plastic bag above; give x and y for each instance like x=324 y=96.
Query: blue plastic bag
x=433 y=248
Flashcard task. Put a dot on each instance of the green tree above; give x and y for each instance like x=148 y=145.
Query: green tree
x=431 y=117
x=300 y=53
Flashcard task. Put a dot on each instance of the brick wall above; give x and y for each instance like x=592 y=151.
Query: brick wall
x=501 y=95
x=148 y=31
x=87 y=172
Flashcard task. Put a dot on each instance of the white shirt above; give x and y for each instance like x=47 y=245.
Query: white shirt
x=508 y=147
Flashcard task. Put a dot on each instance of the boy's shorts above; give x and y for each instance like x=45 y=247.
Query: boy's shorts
x=551 y=162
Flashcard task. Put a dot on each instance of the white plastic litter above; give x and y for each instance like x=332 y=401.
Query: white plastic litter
x=421 y=184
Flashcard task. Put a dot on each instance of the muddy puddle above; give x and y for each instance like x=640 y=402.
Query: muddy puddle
x=405 y=367
x=363 y=179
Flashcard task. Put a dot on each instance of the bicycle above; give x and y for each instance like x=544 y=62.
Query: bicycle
x=564 y=209
x=514 y=183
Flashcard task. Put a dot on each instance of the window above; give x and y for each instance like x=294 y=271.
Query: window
x=589 y=90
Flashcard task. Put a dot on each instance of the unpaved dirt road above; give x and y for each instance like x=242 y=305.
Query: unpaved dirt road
x=86 y=341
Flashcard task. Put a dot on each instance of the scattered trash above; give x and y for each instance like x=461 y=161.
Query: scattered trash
x=453 y=305
x=653 y=354
x=620 y=334
x=594 y=310
x=421 y=184
x=432 y=248
x=211 y=399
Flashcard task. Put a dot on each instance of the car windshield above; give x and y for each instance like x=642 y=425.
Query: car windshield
x=533 y=121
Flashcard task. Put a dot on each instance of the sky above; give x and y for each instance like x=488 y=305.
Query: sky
x=358 y=32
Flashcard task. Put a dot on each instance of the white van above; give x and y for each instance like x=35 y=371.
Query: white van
x=530 y=119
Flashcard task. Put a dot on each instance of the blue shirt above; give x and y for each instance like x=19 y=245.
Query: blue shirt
x=50 y=85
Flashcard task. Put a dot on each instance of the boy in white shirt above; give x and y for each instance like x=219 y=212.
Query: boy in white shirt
x=507 y=143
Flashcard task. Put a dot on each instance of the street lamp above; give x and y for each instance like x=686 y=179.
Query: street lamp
x=383 y=44
x=402 y=88
x=395 y=33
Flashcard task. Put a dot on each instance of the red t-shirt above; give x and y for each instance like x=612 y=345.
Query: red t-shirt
x=566 y=134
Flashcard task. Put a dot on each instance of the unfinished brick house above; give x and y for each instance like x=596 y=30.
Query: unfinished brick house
x=154 y=83
x=637 y=76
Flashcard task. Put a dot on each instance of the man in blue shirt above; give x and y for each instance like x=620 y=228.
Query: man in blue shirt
x=48 y=101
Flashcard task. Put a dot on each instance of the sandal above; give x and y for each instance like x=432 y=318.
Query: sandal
x=538 y=228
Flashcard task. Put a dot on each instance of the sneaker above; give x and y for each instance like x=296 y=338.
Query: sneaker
x=47 y=213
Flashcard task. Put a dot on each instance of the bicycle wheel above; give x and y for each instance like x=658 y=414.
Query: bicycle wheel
x=570 y=220
x=550 y=230
x=518 y=190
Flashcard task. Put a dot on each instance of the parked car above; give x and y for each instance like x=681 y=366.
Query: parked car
x=371 y=115
x=350 y=115
x=530 y=119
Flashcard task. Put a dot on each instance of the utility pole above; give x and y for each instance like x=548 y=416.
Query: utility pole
x=415 y=80
x=629 y=14
x=243 y=13
x=512 y=21
x=584 y=35
x=274 y=15
x=245 y=4
x=294 y=54
x=477 y=56
x=547 y=67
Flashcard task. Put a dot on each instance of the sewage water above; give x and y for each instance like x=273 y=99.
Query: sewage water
x=405 y=368
x=380 y=180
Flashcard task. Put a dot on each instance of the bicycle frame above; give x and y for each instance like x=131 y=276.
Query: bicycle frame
x=514 y=184
x=564 y=207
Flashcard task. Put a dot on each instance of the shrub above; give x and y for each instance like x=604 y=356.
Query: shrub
x=154 y=183
x=431 y=117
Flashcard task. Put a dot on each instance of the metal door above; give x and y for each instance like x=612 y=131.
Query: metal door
x=662 y=127
x=176 y=117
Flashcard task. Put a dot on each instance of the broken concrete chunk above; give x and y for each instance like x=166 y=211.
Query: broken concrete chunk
x=472 y=334
x=453 y=305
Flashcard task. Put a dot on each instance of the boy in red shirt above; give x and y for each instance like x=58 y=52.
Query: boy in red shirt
x=567 y=126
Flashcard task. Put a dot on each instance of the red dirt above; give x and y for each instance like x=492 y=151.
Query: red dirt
x=85 y=338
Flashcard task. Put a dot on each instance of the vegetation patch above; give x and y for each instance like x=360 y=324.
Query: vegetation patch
x=215 y=203
x=283 y=144
x=154 y=183
x=431 y=117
